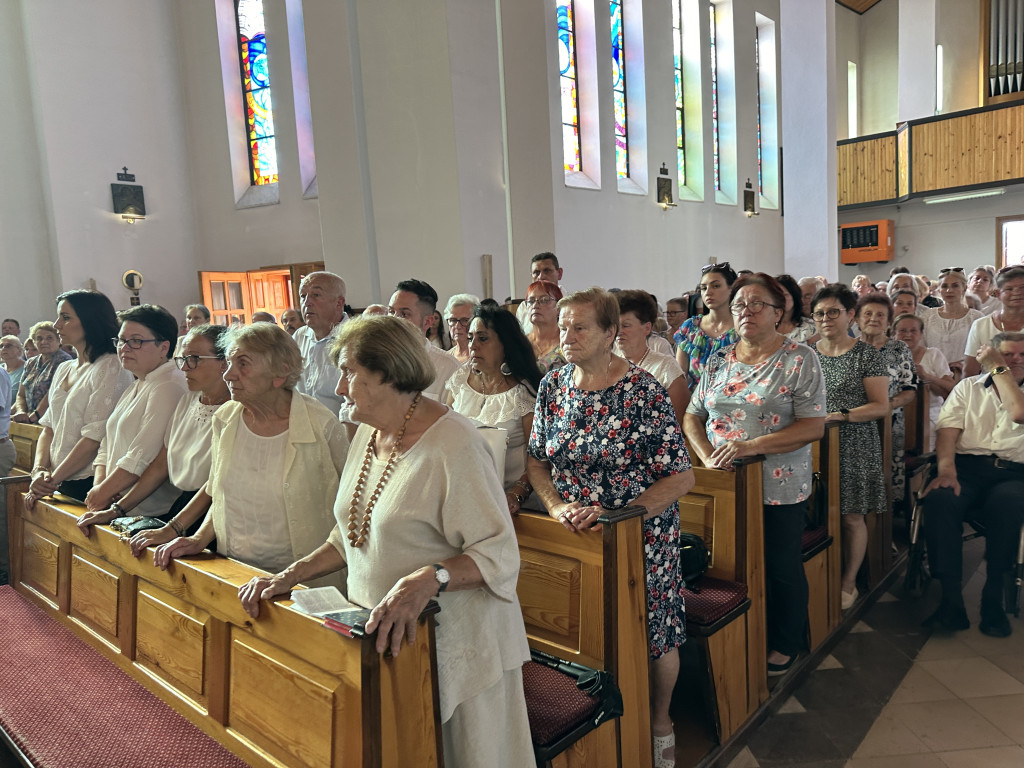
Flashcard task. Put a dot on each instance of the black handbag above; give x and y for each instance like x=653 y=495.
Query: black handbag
x=129 y=526
x=694 y=558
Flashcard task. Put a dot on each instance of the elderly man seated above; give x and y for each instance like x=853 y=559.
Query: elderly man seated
x=980 y=447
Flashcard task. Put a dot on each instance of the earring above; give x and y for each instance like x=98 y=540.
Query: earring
x=505 y=370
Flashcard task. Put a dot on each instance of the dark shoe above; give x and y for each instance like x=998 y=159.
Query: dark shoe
x=777 y=670
x=993 y=621
x=949 y=616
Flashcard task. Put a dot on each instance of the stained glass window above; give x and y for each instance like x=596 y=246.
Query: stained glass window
x=259 y=114
x=568 y=85
x=677 y=48
x=714 y=100
x=619 y=90
x=757 y=70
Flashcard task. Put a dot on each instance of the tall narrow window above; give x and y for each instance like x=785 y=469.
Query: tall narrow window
x=619 y=90
x=714 y=99
x=757 y=70
x=568 y=84
x=677 y=51
x=259 y=114
x=851 y=99
x=767 y=113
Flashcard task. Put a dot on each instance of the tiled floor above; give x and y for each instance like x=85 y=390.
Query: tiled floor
x=890 y=695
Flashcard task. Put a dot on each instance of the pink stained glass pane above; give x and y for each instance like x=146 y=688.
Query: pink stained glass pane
x=677 y=55
x=571 y=148
x=619 y=89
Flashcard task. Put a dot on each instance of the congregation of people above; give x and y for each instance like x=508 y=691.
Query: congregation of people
x=356 y=449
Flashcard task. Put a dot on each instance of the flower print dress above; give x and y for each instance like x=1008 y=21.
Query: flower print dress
x=699 y=346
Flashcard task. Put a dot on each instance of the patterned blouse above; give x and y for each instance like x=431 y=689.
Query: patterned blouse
x=699 y=346
x=38 y=376
x=740 y=402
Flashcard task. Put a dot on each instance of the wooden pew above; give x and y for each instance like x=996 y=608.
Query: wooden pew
x=726 y=510
x=281 y=691
x=25 y=437
x=879 y=554
x=823 y=566
x=584 y=599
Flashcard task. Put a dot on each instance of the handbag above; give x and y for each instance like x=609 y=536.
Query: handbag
x=129 y=526
x=694 y=559
x=497 y=443
x=817 y=508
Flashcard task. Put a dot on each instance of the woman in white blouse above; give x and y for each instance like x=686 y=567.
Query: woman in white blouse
x=135 y=430
x=185 y=456
x=498 y=388
x=82 y=396
x=277 y=455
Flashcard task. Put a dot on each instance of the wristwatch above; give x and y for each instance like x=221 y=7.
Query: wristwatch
x=846 y=413
x=443 y=577
x=1000 y=369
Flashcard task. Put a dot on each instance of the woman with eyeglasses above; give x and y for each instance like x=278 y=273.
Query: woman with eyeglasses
x=34 y=393
x=457 y=315
x=541 y=298
x=184 y=460
x=946 y=327
x=82 y=396
x=765 y=395
x=857 y=395
x=12 y=360
x=135 y=430
x=701 y=336
x=1009 y=316
x=499 y=389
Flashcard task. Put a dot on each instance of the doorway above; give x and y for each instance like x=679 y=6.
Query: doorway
x=232 y=297
x=1009 y=240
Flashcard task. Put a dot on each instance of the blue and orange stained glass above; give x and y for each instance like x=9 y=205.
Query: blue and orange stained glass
x=677 y=48
x=619 y=90
x=757 y=71
x=567 y=82
x=714 y=99
x=259 y=113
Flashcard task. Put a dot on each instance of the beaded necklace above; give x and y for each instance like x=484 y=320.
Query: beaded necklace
x=354 y=538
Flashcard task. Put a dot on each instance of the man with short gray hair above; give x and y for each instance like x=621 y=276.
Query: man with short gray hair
x=322 y=300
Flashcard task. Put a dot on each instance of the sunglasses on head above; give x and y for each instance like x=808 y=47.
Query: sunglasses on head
x=708 y=267
x=947 y=270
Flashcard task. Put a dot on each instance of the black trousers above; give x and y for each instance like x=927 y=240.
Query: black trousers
x=994 y=498
x=785 y=580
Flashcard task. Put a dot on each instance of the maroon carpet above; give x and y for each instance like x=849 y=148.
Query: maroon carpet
x=67 y=706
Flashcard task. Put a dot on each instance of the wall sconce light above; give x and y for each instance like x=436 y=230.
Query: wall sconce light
x=749 y=202
x=129 y=201
x=664 y=188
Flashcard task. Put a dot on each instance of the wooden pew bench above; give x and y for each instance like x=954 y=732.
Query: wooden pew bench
x=878 y=561
x=821 y=550
x=584 y=600
x=25 y=437
x=280 y=691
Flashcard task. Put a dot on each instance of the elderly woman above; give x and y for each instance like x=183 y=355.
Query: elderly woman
x=946 y=327
x=134 y=432
x=930 y=363
x=195 y=315
x=794 y=324
x=605 y=436
x=700 y=336
x=12 y=360
x=420 y=515
x=874 y=318
x=82 y=396
x=856 y=386
x=541 y=298
x=637 y=312
x=184 y=460
x=499 y=389
x=34 y=393
x=765 y=395
x=457 y=315
x=979 y=285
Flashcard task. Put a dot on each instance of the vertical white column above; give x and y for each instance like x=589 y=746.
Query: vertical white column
x=916 y=59
x=807 y=33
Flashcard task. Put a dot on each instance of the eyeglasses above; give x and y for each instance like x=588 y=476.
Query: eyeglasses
x=947 y=270
x=463 y=321
x=720 y=265
x=189 y=362
x=831 y=314
x=8 y=346
x=754 y=307
x=539 y=300
x=675 y=312
x=133 y=343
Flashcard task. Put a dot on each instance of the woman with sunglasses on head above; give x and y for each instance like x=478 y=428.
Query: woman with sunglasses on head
x=946 y=327
x=82 y=395
x=699 y=337
x=857 y=394
x=185 y=457
x=135 y=430
x=541 y=299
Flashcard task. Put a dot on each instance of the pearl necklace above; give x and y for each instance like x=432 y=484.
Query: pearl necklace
x=354 y=538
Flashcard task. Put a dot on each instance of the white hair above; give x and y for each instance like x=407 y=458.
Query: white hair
x=460 y=300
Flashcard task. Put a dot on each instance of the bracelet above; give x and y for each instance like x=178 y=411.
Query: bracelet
x=177 y=528
x=117 y=508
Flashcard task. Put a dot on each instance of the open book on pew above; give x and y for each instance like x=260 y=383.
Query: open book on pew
x=337 y=612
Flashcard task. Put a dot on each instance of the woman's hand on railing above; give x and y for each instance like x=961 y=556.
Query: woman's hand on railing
x=153 y=537
x=180 y=547
x=99 y=517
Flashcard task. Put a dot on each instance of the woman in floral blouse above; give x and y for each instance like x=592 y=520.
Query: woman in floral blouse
x=766 y=395
x=703 y=335
x=605 y=436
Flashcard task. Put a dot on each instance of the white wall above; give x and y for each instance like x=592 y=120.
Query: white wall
x=847 y=50
x=877 y=75
x=958 y=31
x=916 y=59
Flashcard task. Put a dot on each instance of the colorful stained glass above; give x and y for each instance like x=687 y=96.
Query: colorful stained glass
x=566 y=23
x=619 y=89
x=757 y=70
x=259 y=113
x=714 y=100
x=677 y=48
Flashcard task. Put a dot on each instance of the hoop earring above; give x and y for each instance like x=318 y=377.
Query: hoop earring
x=505 y=370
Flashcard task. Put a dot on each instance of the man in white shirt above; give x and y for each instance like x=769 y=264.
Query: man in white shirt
x=415 y=301
x=291 y=320
x=7 y=459
x=980 y=448
x=322 y=298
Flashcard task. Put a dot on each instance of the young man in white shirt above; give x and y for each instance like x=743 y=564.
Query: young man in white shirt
x=415 y=301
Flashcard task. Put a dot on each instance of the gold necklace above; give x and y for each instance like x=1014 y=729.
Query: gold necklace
x=354 y=538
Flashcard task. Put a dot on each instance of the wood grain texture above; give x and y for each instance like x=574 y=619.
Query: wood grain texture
x=830 y=456
x=40 y=552
x=729 y=679
x=94 y=594
x=866 y=170
x=903 y=160
x=170 y=641
x=25 y=437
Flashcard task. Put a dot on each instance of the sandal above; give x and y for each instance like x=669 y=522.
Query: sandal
x=661 y=743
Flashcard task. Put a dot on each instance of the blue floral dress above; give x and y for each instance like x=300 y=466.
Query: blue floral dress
x=699 y=346
x=607 y=447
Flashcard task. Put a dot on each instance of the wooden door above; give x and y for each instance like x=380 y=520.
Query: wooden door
x=226 y=294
